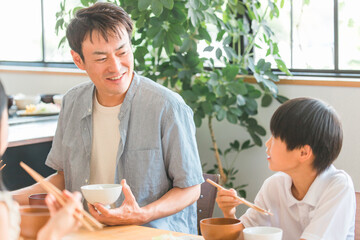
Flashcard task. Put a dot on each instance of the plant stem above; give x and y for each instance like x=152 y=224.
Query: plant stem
x=223 y=176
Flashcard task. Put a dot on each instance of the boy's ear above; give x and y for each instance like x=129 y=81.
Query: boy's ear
x=306 y=153
x=77 y=60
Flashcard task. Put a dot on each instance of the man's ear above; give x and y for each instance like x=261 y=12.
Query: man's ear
x=306 y=153
x=77 y=60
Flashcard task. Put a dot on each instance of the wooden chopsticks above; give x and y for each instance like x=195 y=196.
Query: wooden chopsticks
x=243 y=200
x=50 y=188
x=1 y=168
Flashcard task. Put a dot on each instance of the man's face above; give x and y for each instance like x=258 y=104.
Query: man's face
x=109 y=64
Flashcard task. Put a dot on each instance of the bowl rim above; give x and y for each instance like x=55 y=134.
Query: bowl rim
x=43 y=213
x=249 y=229
x=109 y=186
x=204 y=222
x=37 y=196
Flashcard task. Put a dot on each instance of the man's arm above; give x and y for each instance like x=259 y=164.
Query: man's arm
x=129 y=212
x=21 y=195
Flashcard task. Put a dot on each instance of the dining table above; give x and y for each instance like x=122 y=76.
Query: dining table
x=130 y=232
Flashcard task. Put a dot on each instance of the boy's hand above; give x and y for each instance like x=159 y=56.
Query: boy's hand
x=227 y=202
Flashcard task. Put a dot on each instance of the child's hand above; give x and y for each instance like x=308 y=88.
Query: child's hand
x=62 y=219
x=227 y=202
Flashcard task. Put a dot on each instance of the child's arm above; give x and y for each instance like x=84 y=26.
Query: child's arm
x=227 y=202
x=4 y=220
x=62 y=219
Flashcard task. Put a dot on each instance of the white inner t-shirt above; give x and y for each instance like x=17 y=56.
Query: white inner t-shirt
x=106 y=137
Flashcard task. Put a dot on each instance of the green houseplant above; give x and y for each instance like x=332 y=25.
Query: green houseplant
x=166 y=49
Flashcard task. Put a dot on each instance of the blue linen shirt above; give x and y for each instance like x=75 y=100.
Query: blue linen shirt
x=157 y=149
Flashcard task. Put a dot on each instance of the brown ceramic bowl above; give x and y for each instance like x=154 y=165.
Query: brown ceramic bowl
x=220 y=228
x=37 y=199
x=33 y=218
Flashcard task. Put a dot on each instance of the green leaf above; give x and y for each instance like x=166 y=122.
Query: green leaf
x=197 y=119
x=169 y=4
x=218 y=53
x=237 y=111
x=251 y=104
x=237 y=88
x=281 y=99
x=204 y=34
x=230 y=72
x=156 y=7
x=281 y=65
x=220 y=115
x=144 y=4
x=168 y=45
x=240 y=100
x=266 y=100
x=260 y=130
x=179 y=15
x=62 y=41
x=256 y=139
x=189 y=95
x=220 y=90
x=85 y=3
x=175 y=38
x=232 y=118
x=208 y=49
x=207 y=107
x=194 y=3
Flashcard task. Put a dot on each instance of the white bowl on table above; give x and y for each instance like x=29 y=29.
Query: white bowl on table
x=21 y=100
x=58 y=99
x=105 y=194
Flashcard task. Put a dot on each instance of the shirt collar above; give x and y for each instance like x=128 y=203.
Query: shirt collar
x=87 y=100
x=311 y=197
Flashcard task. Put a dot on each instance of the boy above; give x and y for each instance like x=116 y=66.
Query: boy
x=309 y=197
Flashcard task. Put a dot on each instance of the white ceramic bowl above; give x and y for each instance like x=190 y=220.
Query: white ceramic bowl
x=22 y=101
x=262 y=233
x=101 y=193
x=58 y=99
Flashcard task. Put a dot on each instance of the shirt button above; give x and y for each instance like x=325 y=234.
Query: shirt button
x=89 y=110
x=86 y=181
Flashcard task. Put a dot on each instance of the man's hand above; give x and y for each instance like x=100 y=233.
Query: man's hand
x=128 y=213
x=227 y=202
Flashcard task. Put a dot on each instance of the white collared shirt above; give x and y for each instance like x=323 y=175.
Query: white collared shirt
x=326 y=212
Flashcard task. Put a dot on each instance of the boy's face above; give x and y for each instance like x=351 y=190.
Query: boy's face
x=279 y=157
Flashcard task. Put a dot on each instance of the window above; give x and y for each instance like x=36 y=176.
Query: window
x=318 y=36
x=28 y=32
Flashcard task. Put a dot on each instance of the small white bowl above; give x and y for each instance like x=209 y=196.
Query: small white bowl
x=58 y=99
x=22 y=101
x=105 y=194
x=262 y=233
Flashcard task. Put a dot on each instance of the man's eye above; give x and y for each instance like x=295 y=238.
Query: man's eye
x=100 y=59
x=122 y=53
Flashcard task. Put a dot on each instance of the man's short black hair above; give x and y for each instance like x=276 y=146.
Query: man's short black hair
x=307 y=121
x=103 y=18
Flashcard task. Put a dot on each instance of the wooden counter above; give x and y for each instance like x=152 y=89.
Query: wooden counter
x=25 y=131
x=128 y=233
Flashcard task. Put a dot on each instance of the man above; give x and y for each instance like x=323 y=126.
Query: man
x=124 y=126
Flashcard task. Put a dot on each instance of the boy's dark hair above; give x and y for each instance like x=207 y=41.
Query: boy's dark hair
x=104 y=18
x=306 y=121
x=3 y=105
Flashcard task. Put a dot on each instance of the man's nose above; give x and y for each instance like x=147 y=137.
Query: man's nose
x=114 y=64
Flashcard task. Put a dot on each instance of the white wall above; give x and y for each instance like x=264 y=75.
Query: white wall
x=252 y=163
